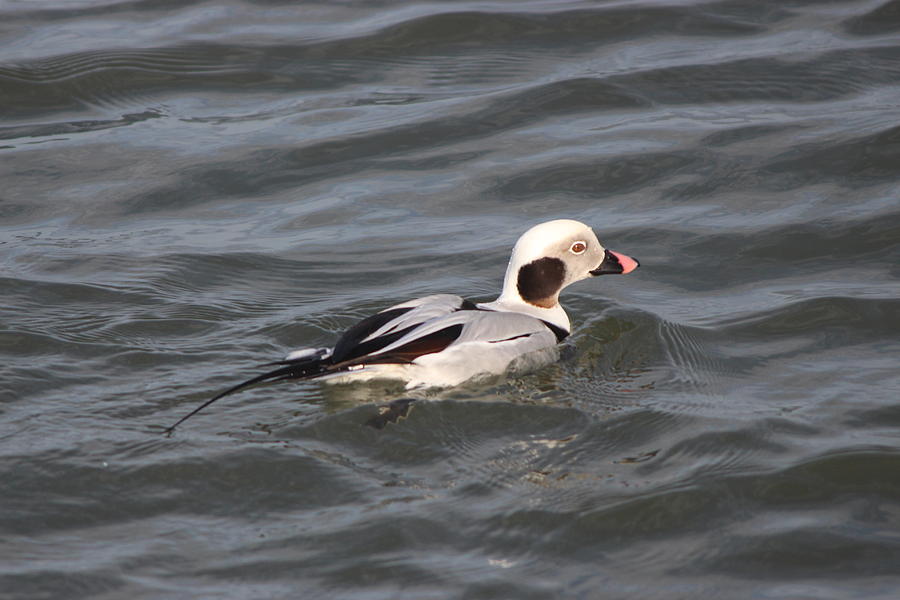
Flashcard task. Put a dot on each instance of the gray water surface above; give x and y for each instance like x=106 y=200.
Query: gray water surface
x=191 y=189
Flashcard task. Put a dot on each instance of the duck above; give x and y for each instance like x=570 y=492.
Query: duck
x=444 y=340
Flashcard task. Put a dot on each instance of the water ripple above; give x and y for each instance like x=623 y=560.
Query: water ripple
x=191 y=189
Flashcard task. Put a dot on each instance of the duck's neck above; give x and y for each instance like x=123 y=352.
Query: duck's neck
x=513 y=303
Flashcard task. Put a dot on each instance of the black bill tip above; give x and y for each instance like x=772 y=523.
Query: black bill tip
x=615 y=263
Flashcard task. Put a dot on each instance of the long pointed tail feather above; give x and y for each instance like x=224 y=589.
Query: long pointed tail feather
x=302 y=368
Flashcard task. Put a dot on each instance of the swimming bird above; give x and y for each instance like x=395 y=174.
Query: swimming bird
x=444 y=340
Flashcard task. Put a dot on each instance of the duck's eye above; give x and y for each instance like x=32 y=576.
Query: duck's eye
x=578 y=248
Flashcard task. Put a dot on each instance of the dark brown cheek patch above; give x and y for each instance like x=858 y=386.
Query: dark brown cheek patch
x=539 y=281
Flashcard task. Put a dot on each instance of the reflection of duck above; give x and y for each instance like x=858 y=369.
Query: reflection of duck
x=444 y=340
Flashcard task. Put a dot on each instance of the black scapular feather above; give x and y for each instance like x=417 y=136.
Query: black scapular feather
x=351 y=345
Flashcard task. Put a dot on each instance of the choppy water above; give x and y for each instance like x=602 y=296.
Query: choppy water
x=193 y=188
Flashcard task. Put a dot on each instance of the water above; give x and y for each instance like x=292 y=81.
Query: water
x=191 y=189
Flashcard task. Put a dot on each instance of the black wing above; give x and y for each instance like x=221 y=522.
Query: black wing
x=428 y=344
x=351 y=344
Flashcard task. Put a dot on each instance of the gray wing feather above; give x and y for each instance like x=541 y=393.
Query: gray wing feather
x=423 y=310
x=480 y=326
